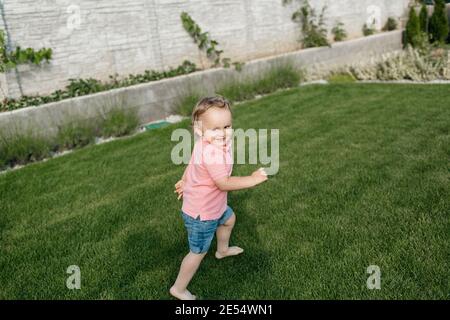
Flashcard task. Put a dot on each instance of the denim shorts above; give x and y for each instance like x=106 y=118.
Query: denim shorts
x=201 y=233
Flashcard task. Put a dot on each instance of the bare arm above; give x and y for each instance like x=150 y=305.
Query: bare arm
x=179 y=185
x=238 y=183
x=184 y=174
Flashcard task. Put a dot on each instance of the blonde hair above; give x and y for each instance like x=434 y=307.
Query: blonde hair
x=207 y=103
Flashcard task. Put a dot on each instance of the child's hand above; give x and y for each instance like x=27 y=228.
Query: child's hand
x=259 y=176
x=179 y=188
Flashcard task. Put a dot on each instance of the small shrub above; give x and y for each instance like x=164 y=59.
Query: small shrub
x=238 y=91
x=413 y=33
x=278 y=77
x=410 y=64
x=3 y=164
x=339 y=32
x=391 y=24
x=341 y=77
x=81 y=87
x=314 y=32
x=23 y=147
x=439 y=22
x=119 y=122
x=186 y=104
x=423 y=18
x=3 y=158
x=369 y=30
x=238 y=66
x=76 y=134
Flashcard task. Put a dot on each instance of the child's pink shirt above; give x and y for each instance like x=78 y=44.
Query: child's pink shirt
x=201 y=196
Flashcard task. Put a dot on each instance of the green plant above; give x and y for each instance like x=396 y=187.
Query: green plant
x=341 y=77
x=19 y=148
x=423 y=18
x=369 y=29
x=238 y=91
x=10 y=59
x=410 y=64
x=119 y=122
x=438 y=26
x=76 y=134
x=314 y=33
x=204 y=42
x=80 y=87
x=339 y=32
x=238 y=65
x=391 y=24
x=281 y=76
x=186 y=104
x=3 y=151
x=413 y=33
x=3 y=164
x=4 y=63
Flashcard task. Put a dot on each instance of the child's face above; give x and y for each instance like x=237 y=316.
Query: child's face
x=216 y=126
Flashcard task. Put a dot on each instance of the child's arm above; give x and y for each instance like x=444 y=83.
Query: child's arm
x=184 y=174
x=179 y=184
x=238 y=183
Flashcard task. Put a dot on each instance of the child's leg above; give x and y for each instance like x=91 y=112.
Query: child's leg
x=223 y=234
x=188 y=267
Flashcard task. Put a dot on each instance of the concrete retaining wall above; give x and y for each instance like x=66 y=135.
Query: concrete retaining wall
x=103 y=37
x=156 y=100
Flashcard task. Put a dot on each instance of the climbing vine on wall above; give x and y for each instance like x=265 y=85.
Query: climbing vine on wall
x=204 y=42
x=313 y=28
x=10 y=59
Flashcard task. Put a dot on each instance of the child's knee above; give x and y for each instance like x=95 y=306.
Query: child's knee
x=199 y=255
x=231 y=220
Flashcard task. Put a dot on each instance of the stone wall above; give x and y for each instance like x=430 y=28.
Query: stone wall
x=103 y=37
x=156 y=100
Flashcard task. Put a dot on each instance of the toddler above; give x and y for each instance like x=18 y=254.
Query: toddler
x=204 y=187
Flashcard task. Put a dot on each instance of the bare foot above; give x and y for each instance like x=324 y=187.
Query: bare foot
x=232 y=251
x=186 y=295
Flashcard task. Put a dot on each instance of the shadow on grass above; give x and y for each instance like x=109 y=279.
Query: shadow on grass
x=240 y=277
x=151 y=259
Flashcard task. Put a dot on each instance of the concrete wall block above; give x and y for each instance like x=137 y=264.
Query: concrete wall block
x=99 y=38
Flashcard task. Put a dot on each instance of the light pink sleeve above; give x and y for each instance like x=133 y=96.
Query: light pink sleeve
x=214 y=160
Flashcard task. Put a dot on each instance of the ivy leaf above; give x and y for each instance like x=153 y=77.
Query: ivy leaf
x=209 y=51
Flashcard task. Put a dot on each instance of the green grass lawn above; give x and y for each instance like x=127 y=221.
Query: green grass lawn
x=363 y=180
